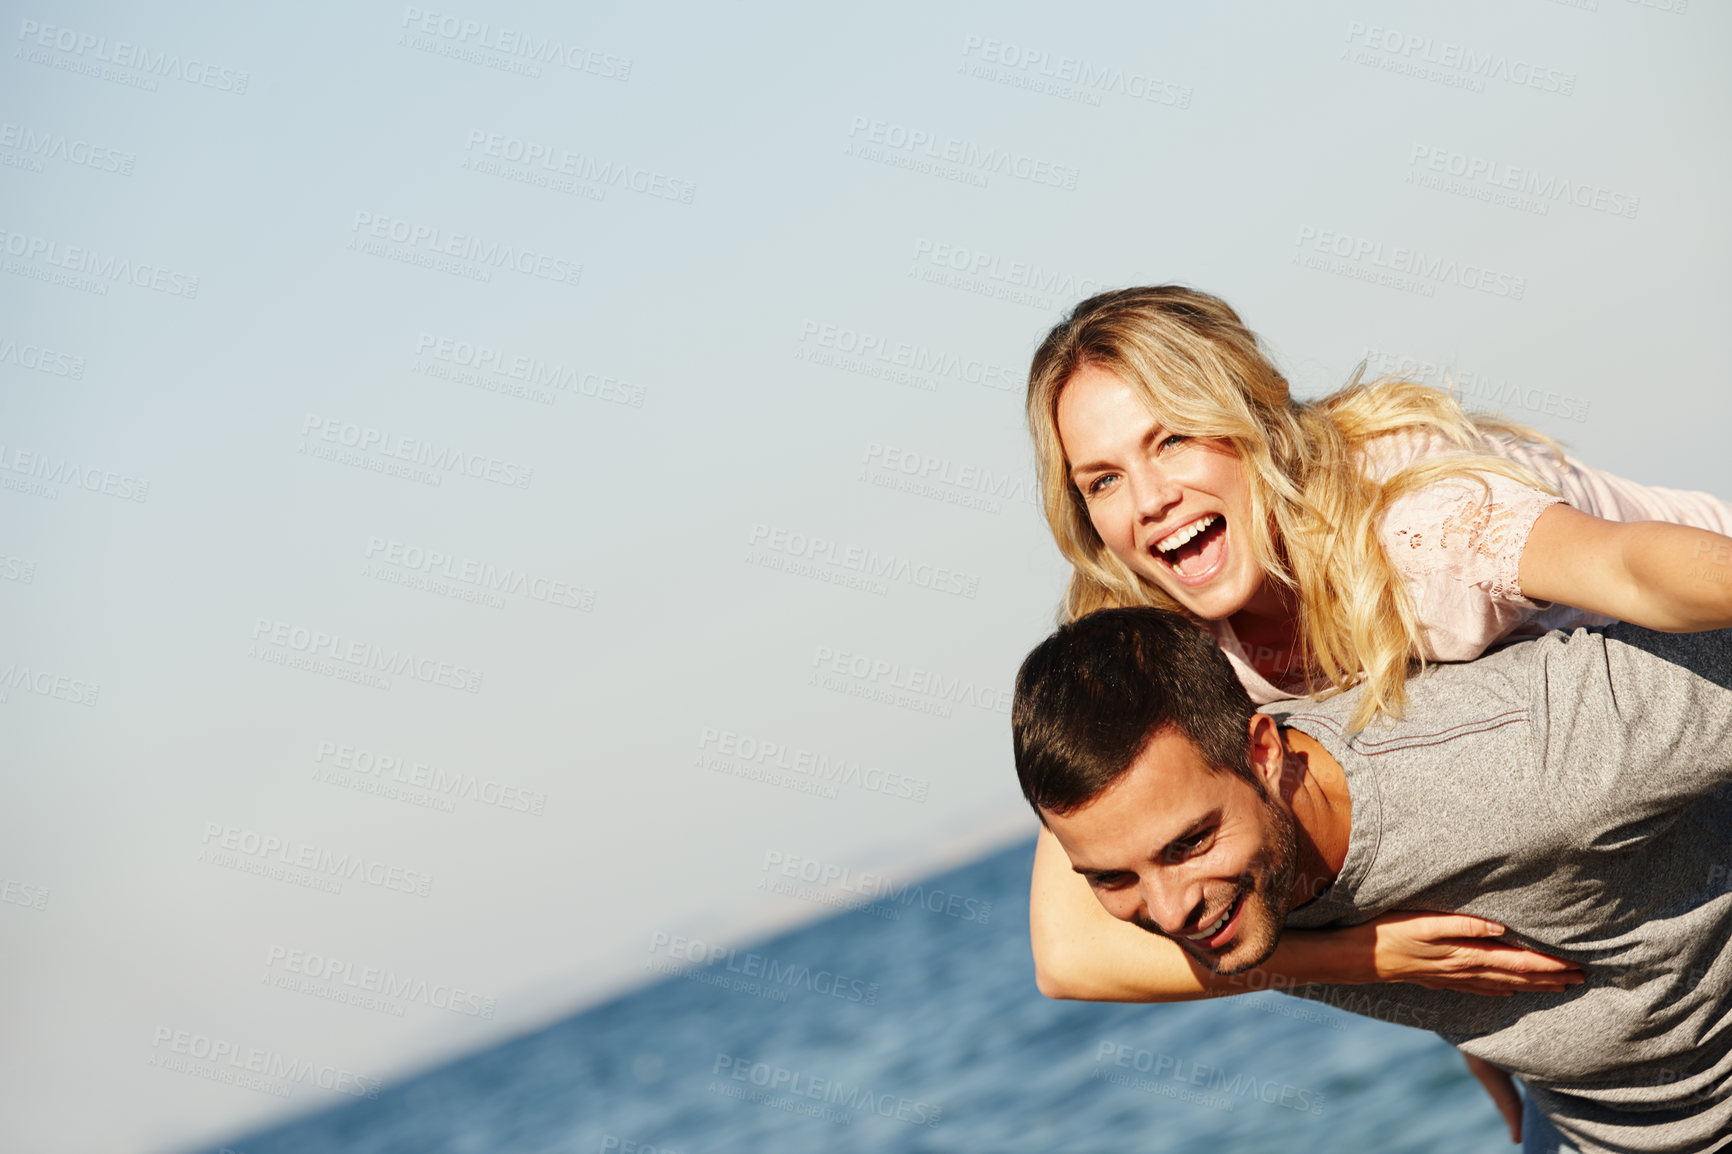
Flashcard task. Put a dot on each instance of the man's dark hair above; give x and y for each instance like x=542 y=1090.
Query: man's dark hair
x=1091 y=695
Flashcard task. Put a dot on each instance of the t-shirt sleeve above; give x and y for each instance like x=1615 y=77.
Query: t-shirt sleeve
x=1457 y=547
x=1635 y=724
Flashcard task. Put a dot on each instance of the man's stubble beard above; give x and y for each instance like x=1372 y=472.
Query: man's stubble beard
x=1260 y=921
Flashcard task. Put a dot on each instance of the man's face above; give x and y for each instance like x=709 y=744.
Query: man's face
x=1189 y=853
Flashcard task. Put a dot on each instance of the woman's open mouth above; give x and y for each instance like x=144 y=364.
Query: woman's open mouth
x=1197 y=551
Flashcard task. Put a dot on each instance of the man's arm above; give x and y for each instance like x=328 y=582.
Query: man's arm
x=1084 y=953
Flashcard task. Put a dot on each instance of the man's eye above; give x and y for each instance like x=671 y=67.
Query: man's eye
x=1189 y=847
x=1110 y=881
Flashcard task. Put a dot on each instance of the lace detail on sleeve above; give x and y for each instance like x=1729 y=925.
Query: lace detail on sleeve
x=1473 y=534
x=1458 y=550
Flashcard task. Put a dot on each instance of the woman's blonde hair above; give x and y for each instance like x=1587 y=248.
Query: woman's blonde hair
x=1314 y=512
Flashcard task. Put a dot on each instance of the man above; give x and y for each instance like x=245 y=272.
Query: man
x=1576 y=789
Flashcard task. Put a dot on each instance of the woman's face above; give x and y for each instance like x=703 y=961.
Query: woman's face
x=1168 y=506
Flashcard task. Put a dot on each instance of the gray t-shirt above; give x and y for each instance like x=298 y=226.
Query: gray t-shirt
x=1578 y=789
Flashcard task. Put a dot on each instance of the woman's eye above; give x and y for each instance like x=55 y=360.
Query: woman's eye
x=1175 y=439
x=1101 y=483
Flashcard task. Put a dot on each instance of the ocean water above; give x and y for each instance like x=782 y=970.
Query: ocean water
x=914 y=1026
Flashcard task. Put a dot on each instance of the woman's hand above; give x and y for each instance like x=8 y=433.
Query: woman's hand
x=1444 y=952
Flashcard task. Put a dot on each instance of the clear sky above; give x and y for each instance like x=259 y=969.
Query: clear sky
x=481 y=487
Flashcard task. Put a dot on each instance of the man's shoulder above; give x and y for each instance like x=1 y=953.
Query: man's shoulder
x=1521 y=674
x=1444 y=699
x=1706 y=655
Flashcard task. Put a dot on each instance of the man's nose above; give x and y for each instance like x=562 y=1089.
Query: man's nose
x=1171 y=900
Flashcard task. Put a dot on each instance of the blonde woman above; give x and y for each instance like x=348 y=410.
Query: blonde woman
x=1326 y=544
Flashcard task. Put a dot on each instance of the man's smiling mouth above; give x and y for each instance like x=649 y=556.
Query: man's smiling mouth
x=1203 y=936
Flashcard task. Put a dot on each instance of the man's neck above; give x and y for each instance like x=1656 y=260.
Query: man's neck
x=1315 y=791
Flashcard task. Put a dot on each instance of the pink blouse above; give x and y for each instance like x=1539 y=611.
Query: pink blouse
x=1458 y=552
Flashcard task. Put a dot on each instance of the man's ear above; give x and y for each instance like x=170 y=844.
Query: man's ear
x=1266 y=752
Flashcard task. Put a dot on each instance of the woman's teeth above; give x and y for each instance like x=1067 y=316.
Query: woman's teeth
x=1171 y=543
x=1168 y=544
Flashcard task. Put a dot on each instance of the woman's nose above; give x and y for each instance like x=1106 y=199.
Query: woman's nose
x=1153 y=492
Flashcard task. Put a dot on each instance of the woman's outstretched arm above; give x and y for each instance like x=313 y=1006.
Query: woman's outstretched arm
x=1672 y=578
x=1083 y=952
